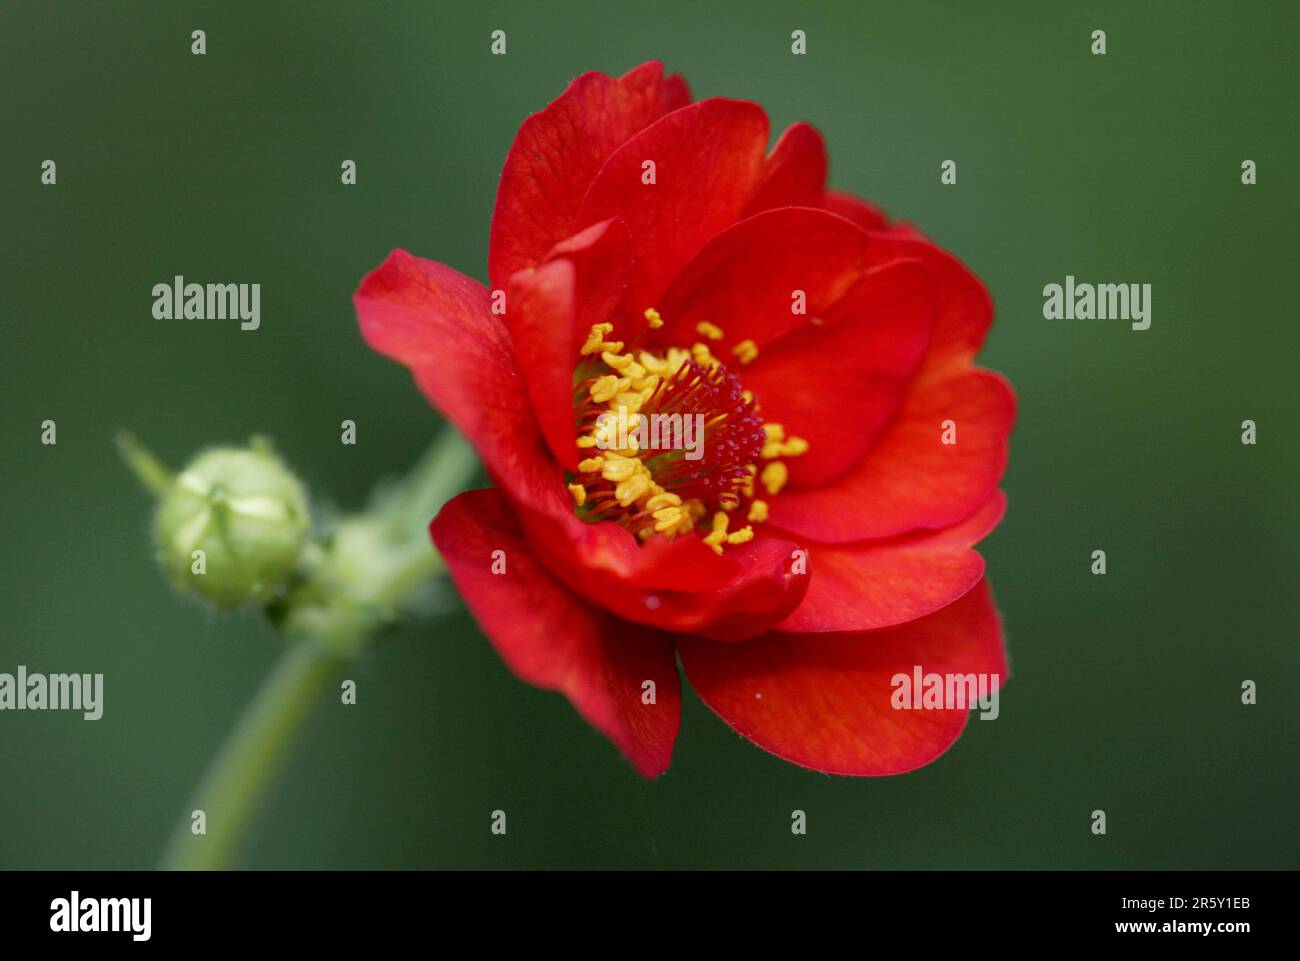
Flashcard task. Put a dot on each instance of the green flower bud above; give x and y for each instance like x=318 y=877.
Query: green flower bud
x=231 y=525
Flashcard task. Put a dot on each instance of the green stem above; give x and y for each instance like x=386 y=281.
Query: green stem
x=238 y=778
x=152 y=473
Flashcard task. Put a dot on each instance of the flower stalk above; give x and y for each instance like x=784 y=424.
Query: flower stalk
x=354 y=578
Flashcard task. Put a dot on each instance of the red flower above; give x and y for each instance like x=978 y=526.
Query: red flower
x=654 y=256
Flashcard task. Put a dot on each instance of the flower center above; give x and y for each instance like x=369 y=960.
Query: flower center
x=673 y=438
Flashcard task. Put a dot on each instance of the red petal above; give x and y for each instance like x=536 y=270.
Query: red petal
x=966 y=310
x=439 y=323
x=677 y=93
x=745 y=278
x=708 y=159
x=550 y=638
x=909 y=479
x=965 y=307
x=795 y=172
x=875 y=584
x=540 y=318
x=558 y=152
x=836 y=383
x=551 y=309
x=678 y=585
x=824 y=700
x=866 y=215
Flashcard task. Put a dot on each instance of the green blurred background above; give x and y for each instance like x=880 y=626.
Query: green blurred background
x=1125 y=168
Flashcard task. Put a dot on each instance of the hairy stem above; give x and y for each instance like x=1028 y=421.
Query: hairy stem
x=238 y=778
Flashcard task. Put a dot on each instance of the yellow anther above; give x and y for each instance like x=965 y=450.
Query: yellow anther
x=666 y=518
x=778 y=446
x=655 y=365
x=790 y=448
x=774 y=476
x=711 y=331
x=595 y=342
x=618 y=469
x=701 y=354
x=607 y=439
x=617 y=361
x=606 y=387
x=741 y=536
x=586 y=441
x=653 y=319
x=746 y=351
x=757 y=512
x=591 y=465
x=718 y=536
x=663 y=500
x=748 y=395
x=629 y=401
x=794 y=447
x=579 y=494
x=629 y=490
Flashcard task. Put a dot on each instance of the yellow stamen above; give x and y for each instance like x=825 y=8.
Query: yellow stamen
x=606 y=387
x=617 y=361
x=666 y=518
x=794 y=447
x=741 y=536
x=629 y=490
x=619 y=469
x=791 y=448
x=655 y=365
x=596 y=339
x=746 y=351
x=663 y=500
x=629 y=401
x=633 y=380
x=701 y=355
x=774 y=476
x=778 y=446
